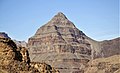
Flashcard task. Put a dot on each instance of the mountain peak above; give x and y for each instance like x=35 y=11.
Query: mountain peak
x=59 y=16
x=60 y=20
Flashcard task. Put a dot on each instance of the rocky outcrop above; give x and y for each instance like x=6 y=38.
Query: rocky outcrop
x=60 y=44
x=14 y=59
x=4 y=35
x=43 y=67
x=104 y=65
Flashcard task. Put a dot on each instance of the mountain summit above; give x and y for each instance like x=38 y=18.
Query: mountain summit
x=60 y=20
x=60 y=15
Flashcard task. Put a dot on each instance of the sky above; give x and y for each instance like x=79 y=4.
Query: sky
x=98 y=19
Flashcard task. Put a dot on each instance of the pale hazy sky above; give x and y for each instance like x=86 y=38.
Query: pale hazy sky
x=98 y=19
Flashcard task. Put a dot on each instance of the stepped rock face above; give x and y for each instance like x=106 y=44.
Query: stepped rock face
x=104 y=65
x=60 y=44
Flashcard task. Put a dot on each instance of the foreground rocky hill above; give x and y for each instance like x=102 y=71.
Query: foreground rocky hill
x=60 y=44
x=14 y=59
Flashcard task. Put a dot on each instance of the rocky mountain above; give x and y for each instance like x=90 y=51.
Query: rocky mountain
x=14 y=59
x=62 y=45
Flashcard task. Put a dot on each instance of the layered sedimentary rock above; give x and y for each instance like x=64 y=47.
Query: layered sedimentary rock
x=60 y=44
x=14 y=59
x=104 y=65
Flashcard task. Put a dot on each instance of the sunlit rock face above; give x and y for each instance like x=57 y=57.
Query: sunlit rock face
x=15 y=59
x=60 y=44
